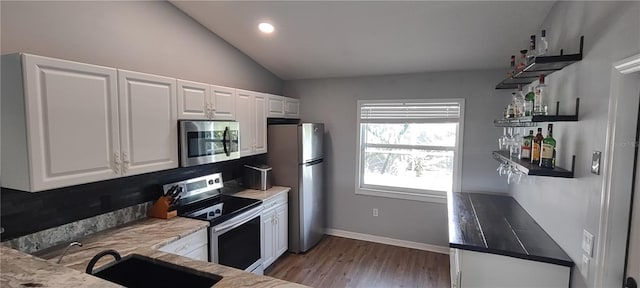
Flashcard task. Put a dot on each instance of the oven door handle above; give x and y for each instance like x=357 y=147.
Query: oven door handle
x=224 y=228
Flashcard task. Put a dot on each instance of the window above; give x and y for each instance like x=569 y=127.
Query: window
x=409 y=149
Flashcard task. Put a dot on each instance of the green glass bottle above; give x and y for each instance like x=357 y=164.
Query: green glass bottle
x=528 y=102
x=548 y=153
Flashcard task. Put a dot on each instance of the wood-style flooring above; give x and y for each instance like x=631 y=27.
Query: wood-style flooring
x=342 y=262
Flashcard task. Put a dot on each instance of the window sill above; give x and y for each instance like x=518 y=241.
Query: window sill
x=434 y=197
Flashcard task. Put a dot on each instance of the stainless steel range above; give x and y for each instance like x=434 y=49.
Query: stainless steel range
x=234 y=230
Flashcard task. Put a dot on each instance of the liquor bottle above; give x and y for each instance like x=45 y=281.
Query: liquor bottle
x=548 y=152
x=522 y=60
x=536 y=147
x=526 y=145
x=512 y=65
x=538 y=106
x=511 y=107
x=543 y=46
x=532 y=49
x=529 y=102
x=518 y=101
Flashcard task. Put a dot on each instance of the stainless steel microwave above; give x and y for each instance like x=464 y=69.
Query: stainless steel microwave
x=203 y=142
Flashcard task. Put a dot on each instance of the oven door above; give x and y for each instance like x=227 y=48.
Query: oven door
x=237 y=242
x=203 y=142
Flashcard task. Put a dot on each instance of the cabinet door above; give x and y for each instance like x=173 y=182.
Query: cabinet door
x=282 y=229
x=268 y=236
x=454 y=267
x=72 y=112
x=224 y=103
x=260 y=112
x=193 y=100
x=275 y=106
x=244 y=116
x=291 y=108
x=148 y=122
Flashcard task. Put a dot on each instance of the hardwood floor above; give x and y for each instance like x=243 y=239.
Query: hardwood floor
x=342 y=262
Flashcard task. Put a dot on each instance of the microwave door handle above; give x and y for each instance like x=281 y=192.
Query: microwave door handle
x=224 y=141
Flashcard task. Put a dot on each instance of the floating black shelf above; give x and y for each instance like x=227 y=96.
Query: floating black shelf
x=534 y=170
x=530 y=121
x=539 y=66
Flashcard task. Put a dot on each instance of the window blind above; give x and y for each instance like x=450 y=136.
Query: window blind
x=409 y=111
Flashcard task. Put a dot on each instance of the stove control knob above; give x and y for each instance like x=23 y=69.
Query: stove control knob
x=218 y=211
x=217 y=180
x=211 y=214
x=210 y=182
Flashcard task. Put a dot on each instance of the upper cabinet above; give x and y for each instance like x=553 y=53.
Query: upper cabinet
x=148 y=122
x=72 y=124
x=194 y=100
x=282 y=107
x=199 y=101
x=291 y=108
x=224 y=102
x=251 y=114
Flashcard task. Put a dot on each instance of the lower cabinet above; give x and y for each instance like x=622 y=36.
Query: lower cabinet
x=477 y=269
x=194 y=246
x=275 y=229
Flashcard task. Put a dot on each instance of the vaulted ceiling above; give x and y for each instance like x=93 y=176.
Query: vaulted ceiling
x=320 y=39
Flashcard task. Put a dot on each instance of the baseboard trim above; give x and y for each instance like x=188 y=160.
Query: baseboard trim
x=388 y=241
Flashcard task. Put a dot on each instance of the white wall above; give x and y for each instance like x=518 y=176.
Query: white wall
x=147 y=36
x=333 y=102
x=563 y=207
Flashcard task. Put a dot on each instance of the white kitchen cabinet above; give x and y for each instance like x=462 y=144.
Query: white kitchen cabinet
x=275 y=106
x=148 y=122
x=60 y=128
x=478 y=270
x=66 y=123
x=291 y=108
x=194 y=246
x=194 y=100
x=224 y=102
x=252 y=118
x=275 y=228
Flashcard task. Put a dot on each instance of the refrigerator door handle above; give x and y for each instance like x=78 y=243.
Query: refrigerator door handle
x=313 y=162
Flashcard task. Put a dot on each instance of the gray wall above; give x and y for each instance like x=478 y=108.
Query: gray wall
x=333 y=102
x=563 y=207
x=147 y=36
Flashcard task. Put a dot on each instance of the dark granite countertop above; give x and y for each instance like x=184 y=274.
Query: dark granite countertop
x=499 y=225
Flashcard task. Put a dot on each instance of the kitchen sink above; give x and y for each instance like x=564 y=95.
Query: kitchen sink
x=140 y=271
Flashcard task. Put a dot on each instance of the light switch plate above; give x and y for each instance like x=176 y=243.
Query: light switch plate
x=595 y=162
x=587 y=243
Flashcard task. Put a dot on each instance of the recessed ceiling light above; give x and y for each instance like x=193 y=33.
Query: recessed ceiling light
x=266 y=28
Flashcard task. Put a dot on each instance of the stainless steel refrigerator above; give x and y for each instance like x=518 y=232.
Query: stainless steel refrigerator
x=296 y=158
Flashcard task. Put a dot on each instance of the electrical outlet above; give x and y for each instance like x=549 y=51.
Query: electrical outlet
x=587 y=243
x=585 y=266
x=375 y=212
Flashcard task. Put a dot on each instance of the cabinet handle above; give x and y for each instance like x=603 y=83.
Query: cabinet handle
x=116 y=162
x=125 y=162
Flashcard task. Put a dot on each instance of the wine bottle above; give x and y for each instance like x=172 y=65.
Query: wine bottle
x=548 y=154
x=535 y=150
x=526 y=145
x=531 y=54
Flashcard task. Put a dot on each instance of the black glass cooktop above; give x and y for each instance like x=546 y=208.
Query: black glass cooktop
x=217 y=209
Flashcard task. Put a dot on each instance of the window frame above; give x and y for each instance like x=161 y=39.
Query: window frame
x=408 y=193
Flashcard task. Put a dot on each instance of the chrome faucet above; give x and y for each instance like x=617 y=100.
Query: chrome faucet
x=67 y=249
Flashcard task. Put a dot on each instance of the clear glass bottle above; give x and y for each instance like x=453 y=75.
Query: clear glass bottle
x=548 y=153
x=529 y=100
x=531 y=54
x=540 y=90
x=543 y=45
x=518 y=102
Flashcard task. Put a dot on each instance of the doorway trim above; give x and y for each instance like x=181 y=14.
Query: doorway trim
x=608 y=210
